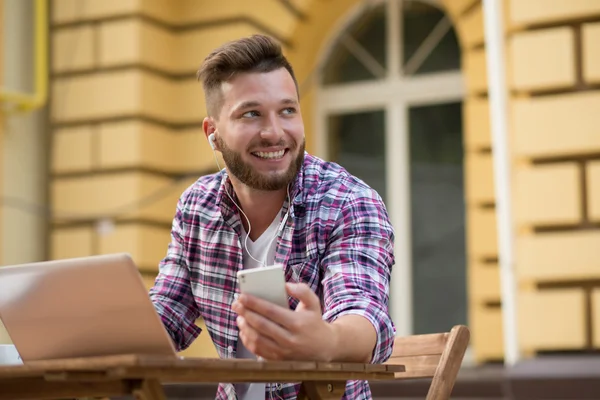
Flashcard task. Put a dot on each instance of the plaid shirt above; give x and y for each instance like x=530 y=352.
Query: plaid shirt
x=338 y=240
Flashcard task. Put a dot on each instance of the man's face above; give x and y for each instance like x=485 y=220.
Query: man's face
x=260 y=129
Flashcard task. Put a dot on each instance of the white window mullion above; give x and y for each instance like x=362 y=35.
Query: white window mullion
x=354 y=97
x=432 y=89
x=394 y=42
x=436 y=88
x=321 y=130
x=398 y=194
x=428 y=46
x=363 y=56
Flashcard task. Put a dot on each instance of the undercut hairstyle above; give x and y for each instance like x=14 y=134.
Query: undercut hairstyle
x=256 y=53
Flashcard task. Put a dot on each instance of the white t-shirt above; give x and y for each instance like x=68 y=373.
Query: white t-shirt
x=263 y=249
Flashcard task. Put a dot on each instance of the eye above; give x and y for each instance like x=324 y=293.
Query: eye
x=289 y=110
x=250 y=114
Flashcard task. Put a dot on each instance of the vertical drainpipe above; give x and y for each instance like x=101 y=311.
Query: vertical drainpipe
x=498 y=101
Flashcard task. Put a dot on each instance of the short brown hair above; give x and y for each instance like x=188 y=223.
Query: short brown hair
x=256 y=53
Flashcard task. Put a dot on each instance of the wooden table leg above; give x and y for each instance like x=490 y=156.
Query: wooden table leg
x=317 y=390
x=148 y=389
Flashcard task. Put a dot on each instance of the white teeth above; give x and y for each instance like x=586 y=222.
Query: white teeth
x=270 y=155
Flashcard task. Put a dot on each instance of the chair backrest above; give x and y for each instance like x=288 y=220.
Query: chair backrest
x=438 y=356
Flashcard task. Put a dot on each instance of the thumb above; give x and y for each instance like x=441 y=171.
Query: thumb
x=307 y=298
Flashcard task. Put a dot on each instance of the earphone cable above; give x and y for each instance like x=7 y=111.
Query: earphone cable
x=263 y=263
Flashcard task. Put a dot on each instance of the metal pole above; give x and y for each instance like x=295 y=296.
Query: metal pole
x=497 y=94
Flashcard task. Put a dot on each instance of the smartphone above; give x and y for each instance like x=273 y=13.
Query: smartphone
x=267 y=283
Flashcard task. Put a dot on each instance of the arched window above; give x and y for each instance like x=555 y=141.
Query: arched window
x=389 y=109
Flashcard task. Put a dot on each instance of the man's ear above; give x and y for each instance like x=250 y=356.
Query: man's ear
x=208 y=126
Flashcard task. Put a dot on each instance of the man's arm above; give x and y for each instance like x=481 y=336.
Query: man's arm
x=357 y=268
x=172 y=295
x=355 y=339
x=355 y=325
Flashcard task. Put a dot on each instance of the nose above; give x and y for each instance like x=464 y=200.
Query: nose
x=272 y=130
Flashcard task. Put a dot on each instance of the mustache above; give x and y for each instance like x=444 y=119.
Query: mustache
x=264 y=143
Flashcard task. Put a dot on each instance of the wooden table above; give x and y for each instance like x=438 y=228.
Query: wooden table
x=142 y=376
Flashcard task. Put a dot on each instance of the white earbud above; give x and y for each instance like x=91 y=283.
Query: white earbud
x=211 y=140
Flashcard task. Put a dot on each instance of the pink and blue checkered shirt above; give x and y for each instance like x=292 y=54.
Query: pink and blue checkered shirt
x=338 y=240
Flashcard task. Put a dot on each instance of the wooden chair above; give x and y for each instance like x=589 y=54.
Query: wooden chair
x=438 y=356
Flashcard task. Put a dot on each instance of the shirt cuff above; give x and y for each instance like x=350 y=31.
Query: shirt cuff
x=182 y=334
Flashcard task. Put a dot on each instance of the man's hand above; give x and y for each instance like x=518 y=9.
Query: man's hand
x=277 y=333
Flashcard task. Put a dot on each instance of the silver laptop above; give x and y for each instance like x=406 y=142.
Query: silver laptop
x=81 y=307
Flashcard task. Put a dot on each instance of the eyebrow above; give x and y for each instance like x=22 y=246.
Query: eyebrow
x=289 y=101
x=253 y=103
x=246 y=104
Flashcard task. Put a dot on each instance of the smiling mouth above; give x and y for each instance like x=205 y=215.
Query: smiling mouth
x=270 y=155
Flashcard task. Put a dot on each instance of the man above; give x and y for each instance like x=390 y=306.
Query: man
x=275 y=204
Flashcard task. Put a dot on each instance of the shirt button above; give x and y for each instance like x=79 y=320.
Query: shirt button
x=230 y=349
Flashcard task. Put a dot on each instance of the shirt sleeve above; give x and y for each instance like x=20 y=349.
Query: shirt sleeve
x=172 y=294
x=357 y=268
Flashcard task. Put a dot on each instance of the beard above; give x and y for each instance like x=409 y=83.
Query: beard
x=249 y=176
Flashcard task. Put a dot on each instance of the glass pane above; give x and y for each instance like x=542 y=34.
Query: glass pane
x=438 y=217
x=344 y=67
x=357 y=143
x=418 y=20
x=369 y=33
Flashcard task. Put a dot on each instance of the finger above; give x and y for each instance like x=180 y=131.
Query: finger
x=305 y=295
x=281 y=316
x=265 y=327
x=259 y=345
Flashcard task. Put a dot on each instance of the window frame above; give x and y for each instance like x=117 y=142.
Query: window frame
x=394 y=94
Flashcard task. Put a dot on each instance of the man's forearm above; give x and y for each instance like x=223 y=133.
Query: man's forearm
x=355 y=339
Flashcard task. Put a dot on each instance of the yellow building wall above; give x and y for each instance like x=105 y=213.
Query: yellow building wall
x=553 y=65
